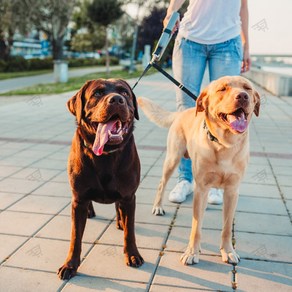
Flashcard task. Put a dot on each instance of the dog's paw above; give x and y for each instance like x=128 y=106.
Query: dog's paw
x=158 y=211
x=230 y=256
x=190 y=257
x=66 y=272
x=134 y=260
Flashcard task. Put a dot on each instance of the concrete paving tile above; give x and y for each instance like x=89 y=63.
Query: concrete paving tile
x=61 y=177
x=21 y=186
x=289 y=206
x=259 y=190
x=264 y=247
x=167 y=288
x=7 y=199
x=50 y=164
x=261 y=177
x=108 y=262
x=265 y=223
x=27 y=280
x=59 y=156
x=248 y=245
x=42 y=254
x=83 y=283
x=18 y=223
x=281 y=162
x=210 y=273
x=55 y=189
x=18 y=161
x=258 y=205
x=147 y=235
x=102 y=211
x=264 y=276
x=287 y=191
x=144 y=215
x=147 y=196
x=35 y=174
x=60 y=228
x=40 y=204
x=152 y=182
x=285 y=180
x=8 y=170
x=9 y=244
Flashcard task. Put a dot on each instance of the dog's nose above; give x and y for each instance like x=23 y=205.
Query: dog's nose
x=242 y=96
x=116 y=100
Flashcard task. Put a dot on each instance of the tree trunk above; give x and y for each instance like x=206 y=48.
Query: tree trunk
x=57 y=47
x=107 y=57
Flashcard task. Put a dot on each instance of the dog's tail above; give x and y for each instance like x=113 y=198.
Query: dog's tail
x=155 y=113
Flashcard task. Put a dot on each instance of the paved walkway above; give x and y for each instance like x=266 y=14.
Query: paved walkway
x=35 y=136
x=21 y=82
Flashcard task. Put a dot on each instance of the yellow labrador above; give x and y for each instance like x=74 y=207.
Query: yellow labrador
x=215 y=136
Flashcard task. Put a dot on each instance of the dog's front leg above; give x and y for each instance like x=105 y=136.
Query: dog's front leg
x=126 y=210
x=171 y=161
x=79 y=216
x=191 y=255
x=229 y=206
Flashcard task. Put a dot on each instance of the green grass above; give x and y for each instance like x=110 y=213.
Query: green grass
x=9 y=75
x=73 y=83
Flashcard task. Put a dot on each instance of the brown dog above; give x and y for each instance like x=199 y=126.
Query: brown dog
x=103 y=163
x=215 y=136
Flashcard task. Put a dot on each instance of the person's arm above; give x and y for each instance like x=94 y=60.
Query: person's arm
x=246 y=62
x=174 y=5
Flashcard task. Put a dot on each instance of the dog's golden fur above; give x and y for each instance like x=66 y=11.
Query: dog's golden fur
x=223 y=112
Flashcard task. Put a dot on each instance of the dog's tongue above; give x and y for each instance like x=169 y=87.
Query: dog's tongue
x=101 y=137
x=238 y=121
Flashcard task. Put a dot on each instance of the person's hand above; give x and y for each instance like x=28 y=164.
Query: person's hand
x=246 y=61
x=166 y=20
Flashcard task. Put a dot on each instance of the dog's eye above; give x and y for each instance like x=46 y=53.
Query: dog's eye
x=125 y=93
x=98 y=92
x=222 y=89
x=247 y=87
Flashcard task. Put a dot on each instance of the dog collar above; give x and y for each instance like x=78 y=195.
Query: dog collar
x=209 y=134
x=104 y=152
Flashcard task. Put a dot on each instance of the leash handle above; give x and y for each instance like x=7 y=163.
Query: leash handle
x=179 y=85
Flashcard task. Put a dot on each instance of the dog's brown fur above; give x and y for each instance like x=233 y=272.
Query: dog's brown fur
x=105 y=174
x=220 y=163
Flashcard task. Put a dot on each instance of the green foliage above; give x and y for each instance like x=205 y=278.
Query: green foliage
x=104 y=12
x=19 y=64
x=73 y=83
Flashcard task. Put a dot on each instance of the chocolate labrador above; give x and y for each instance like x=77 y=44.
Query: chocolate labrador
x=103 y=164
x=215 y=136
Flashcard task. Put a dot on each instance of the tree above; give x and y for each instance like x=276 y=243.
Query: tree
x=52 y=17
x=14 y=16
x=103 y=13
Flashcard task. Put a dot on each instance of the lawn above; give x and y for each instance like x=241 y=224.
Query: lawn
x=9 y=75
x=73 y=83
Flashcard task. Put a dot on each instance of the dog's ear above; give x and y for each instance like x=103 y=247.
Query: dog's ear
x=202 y=101
x=257 y=102
x=75 y=103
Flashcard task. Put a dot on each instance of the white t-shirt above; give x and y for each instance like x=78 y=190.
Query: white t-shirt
x=211 y=21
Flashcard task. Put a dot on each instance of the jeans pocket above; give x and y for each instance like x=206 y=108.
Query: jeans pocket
x=238 y=47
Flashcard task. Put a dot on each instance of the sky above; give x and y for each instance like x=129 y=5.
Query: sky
x=270 y=26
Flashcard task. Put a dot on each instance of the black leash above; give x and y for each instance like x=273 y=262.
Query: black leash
x=178 y=84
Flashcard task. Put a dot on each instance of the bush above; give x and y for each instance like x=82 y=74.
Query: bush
x=40 y=64
x=16 y=64
x=2 y=65
x=91 y=62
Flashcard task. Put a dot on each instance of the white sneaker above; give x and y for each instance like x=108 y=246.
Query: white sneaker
x=215 y=196
x=180 y=192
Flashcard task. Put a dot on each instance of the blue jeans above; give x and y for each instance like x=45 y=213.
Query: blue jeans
x=190 y=60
